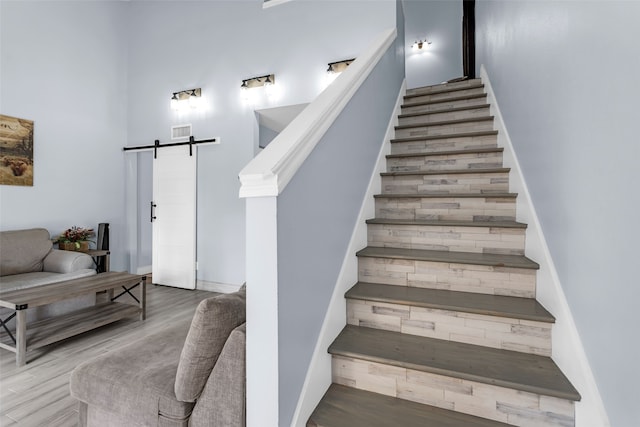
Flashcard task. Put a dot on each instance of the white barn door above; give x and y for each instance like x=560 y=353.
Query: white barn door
x=174 y=217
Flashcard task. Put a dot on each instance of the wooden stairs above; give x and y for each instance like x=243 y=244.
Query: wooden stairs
x=443 y=325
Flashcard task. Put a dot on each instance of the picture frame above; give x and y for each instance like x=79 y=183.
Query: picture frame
x=16 y=151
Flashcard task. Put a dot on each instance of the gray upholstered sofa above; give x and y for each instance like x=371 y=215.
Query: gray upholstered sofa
x=27 y=259
x=186 y=375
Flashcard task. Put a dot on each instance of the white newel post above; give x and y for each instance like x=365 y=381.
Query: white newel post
x=262 y=312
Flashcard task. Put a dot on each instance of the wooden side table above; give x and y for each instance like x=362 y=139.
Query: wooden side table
x=96 y=254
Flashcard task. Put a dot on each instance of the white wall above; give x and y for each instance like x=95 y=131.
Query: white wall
x=96 y=76
x=63 y=65
x=563 y=75
x=440 y=21
x=177 y=45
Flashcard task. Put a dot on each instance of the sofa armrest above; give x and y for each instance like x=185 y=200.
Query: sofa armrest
x=58 y=261
x=222 y=402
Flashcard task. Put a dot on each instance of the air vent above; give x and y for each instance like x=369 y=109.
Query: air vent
x=180 y=132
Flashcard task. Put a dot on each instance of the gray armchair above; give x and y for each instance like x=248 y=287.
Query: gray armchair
x=187 y=375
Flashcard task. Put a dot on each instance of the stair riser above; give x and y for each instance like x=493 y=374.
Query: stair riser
x=446 y=183
x=449 y=115
x=446 y=95
x=489 y=331
x=411 y=106
x=445 y=129
x=444 y=144
x=446 y=86
x=470 y=397
x=488 y=240
x=447 y=208
x=482 y=279
x=445 y=162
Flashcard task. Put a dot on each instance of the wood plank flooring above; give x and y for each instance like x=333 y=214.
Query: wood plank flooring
x=38 y=394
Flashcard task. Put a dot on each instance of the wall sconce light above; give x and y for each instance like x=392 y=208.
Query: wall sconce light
x=335 y=68
x=419 y=44
x=186 y=98
x=339 y=66
x=267 y=80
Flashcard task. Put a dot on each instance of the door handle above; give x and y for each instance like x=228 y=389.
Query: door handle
x=153 y=211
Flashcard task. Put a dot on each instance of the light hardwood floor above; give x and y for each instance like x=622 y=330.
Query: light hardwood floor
x=38 y=394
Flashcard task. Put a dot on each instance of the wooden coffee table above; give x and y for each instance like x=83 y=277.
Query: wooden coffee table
x=50 y=330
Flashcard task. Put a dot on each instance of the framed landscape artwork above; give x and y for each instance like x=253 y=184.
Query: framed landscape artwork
x=16 y=151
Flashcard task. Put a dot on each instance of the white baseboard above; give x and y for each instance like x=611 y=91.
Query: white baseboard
x=224 y=288
x=144 y=270
x=567 y=349
x=318 y=376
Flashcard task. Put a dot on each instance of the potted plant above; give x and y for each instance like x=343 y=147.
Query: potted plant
x=75 y=239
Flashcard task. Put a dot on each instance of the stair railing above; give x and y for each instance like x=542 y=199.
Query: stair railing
x=276 y=236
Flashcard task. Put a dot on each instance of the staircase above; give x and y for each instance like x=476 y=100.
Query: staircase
x=443 y=326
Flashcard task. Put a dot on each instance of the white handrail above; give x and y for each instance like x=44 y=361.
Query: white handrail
x=270 y=172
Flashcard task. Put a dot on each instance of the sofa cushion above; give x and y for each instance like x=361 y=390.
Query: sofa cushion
x=38 y=278
x=136 y=381
x=23 y=251
x=222 y=402
x=58 y=261
x=212 y=323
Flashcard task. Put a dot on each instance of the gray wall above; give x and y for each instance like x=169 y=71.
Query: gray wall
x=316 y=218
x=441 y=22
x=63 y=65
x=564 y=76
x=266 y=136
x=176 y=45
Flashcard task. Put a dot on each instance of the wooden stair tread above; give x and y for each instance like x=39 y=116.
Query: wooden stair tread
x=446 y=153
x=444 y=110
x=441 y=101
x=457 y=82
x=467 y=302
x=447 y=136
x=445 y=90
x=343 y=406
x=519 y=371
x=442 y=222
x=445 y=195
x=493 y=260
x=445 y=122
x=447 y=171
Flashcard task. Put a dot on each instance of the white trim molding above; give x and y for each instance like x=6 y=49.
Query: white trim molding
x=567 y=349
x=271 y=170
x=146 y=269
x=223 y=288
x=271 y=3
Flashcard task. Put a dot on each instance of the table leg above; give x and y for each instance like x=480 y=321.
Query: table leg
x=143 y=298
x=21 y=337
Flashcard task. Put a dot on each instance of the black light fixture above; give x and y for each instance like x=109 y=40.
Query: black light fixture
x=419 y=44
x=190 y=97
x=339 y=66
x=252 y=82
